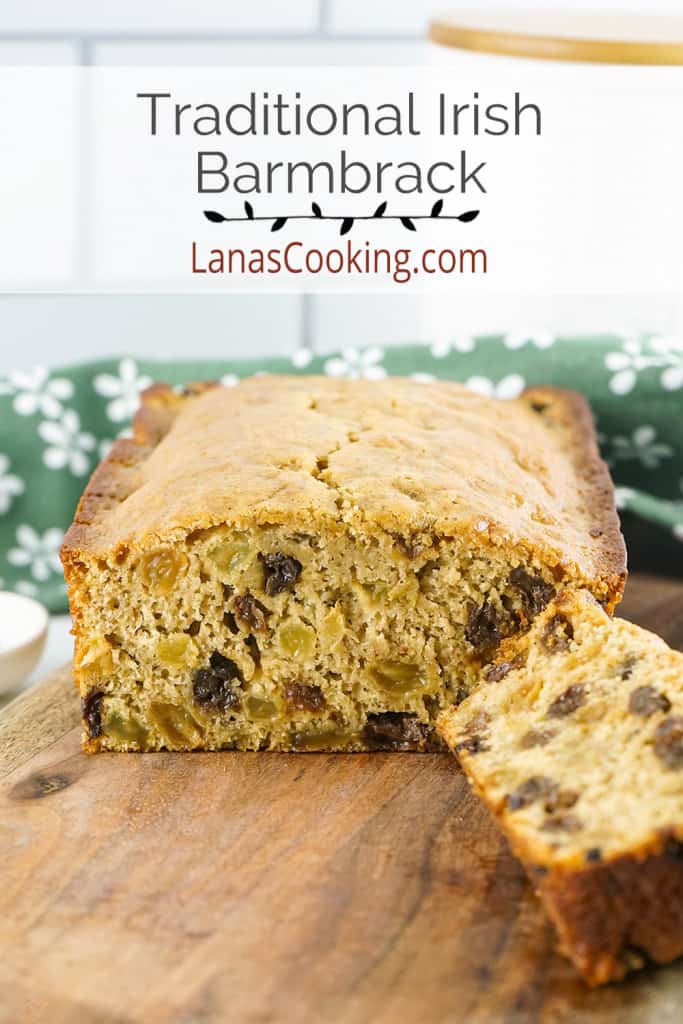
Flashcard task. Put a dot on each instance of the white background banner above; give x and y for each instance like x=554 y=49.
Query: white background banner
x=590 y=204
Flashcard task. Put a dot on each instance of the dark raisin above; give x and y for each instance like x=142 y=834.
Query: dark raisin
x=432 y=705
x=304 y=698
x=557 y=634
x=536 y=593
x=560 y=800
x=229 y=621
x=498 y=672
x=627 y=666
x=645 y=700
x=254 y=649
x=476 y=741
x=429 y=570
x=91 y=710
x=594 y=855
x=562 y=823
x=535 y=738
x=475 y=744
x=211 y=687
x=459 y=693
x=528 y=792
x=673 y=848
x=483 y=626
x=668 y=745
x=224 y=667
x=395 y=730
x=572 y=698
x=280 y=572
x=252 y=613
x=194 y=627
x=539 y=406
x=595 y=532
x=503 y=668
x=209 y=690
x=408 y=546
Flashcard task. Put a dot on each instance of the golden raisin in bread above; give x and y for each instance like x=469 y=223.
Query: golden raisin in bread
x=316 y=564
x=575 y=742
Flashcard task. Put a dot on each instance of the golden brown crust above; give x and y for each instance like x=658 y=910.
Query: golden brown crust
x=613 y=918
x=610 y=918
x=571 y=410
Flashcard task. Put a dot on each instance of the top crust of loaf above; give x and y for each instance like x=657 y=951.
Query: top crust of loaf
x=393 y=455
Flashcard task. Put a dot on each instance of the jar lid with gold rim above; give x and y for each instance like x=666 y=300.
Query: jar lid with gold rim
x=582 y=37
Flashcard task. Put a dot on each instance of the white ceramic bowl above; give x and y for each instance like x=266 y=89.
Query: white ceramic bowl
x=23 y=632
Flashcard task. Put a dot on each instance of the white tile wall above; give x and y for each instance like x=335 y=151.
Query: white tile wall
x=58 y=329
x=24 y=52
x=442 y=317
x=352 y=321
x=158 y=16
x=381 y=17
x=40 y=175
x=269 y=52
x=410 y=17
x=53 y=216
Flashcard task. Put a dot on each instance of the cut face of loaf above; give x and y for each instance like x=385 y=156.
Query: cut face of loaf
x=575 y=742
x=309 y=564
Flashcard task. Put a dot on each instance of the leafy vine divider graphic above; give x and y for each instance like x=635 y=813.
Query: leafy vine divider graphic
x=347 y=223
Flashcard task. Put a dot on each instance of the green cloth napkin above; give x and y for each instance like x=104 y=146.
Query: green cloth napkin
x=55 y=426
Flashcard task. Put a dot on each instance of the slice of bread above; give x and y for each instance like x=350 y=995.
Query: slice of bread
x=575 y=742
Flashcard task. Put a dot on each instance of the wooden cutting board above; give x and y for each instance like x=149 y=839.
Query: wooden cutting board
x=263 y=888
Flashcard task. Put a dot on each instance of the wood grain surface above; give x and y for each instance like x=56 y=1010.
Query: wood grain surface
x=202 y=888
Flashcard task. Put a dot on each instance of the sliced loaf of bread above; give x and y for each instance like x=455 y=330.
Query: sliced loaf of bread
x=575 y=742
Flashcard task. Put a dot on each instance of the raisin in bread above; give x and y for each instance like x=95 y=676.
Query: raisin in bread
x=308 y=563
x=575 y=742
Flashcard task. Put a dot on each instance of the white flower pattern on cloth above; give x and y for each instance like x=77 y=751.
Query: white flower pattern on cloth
x=641 y=445
x=623 y=497
x=124 y=390
x=628 y=498
x=678 y=511
x=518 y=339
x=26 y=588
x=11 y=486
x=355 y=364
x=104 y=447
x=443 y=347
x=38 y=553
x=68 y=445
x=34 y=392
x=423 y=378
x=301 y=357
x=508 y=387
x=654 y=353
x=229 y=380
